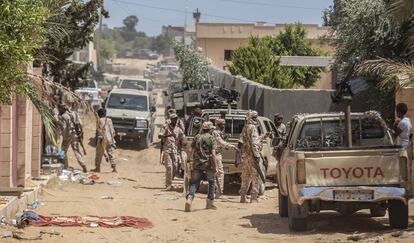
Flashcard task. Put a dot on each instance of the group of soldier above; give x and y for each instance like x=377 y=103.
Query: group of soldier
x=204 y=160
x=71 y=130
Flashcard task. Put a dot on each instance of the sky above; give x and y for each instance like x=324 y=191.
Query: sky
x=153 y=14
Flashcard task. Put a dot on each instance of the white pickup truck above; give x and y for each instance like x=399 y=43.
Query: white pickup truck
x=318 y=172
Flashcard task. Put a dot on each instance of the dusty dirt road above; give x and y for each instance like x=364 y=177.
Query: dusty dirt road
x=232 y=222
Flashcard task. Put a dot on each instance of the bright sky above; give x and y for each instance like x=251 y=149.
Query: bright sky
x=153 y=14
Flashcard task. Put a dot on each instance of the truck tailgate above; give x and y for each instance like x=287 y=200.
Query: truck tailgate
x=345 y=168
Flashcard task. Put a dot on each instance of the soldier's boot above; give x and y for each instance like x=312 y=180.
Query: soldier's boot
x=210 y=204
x=97 y=169
x=114 y=169
x=188 y=204
x=84 y=169
x=253 y=199
x=218 y=194
x=243 y=198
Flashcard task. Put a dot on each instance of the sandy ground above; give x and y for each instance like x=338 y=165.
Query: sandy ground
x=232 y=222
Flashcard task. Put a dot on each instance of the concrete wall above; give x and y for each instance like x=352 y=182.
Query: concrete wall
x=268 y=101
x=5 y=146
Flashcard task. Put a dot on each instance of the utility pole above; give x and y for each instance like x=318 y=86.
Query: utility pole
x=98 y=43
x=185 y=24
x=196 y=16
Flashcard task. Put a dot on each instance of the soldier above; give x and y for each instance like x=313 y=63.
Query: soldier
x=280 y=127
x=71 y=132
x=172 y=136
x=219 y=136
x=203 y=155
x=250 y=144
x=180 y=123
x=105 y=141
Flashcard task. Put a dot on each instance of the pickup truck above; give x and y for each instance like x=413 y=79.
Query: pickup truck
x=133 y=114
x=317 y=171
x=235 y=121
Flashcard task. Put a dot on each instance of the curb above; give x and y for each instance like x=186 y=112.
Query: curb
x=16 y=204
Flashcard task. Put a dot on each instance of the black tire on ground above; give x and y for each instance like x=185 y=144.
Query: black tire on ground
x=144 y=142
x=283 y=205
x=377 y=212
x=297 y=215
x=397 y=214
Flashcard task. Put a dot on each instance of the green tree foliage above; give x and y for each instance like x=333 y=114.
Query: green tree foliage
x=79 y=19
x=21 y=33
x=108 y=50
x=193 y=66
x=259 y=59
x=161 y=44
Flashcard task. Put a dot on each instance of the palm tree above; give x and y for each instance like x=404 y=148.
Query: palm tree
x=398 y=73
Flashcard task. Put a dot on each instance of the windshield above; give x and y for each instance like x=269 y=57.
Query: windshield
x=366 y=131
x=128 y=102
x=134 y=84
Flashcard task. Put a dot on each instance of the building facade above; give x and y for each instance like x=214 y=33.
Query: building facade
x=218 y=41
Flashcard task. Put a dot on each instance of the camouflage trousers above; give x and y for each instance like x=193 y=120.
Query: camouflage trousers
x=170 y=161
x=74 y=143
x=220 y=172
x=249 y=175
x=101 y=148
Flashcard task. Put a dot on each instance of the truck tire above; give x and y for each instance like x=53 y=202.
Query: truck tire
x=397 y=214
x=283 y=205
x=297 y=215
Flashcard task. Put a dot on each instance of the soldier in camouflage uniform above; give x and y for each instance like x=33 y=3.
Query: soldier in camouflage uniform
x=250 y=151
x=180 y=123
x=219 y=136
x=71 y=126
x=203 y=155
x=172 y=136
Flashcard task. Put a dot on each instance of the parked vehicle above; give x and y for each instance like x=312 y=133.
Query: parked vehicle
x=318 y=172
x=91 y=93
x=146 y=54
x=235 y=121
x=164 y=70
x=133 y=114
x=137 y=83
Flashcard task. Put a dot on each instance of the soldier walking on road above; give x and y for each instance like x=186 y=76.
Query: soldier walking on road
x=203 y=156
x=219 y=136
x=105 y=141
x=250 y=144
x=171 y=138
x=71 y=133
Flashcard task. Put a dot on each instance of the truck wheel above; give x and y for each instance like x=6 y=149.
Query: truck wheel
x=297 y=215
x=283 y=205
x=377 y=212
x=397 y=214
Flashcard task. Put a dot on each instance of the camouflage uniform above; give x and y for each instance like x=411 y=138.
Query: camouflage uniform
x=172 y=137
x=251 y=148
x=69 y=120
x=203 y=157
x=105 y=142
x=221 y=144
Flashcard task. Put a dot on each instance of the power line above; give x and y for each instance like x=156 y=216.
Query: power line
x=181 y=11
x=132 y=13
x=271 y=5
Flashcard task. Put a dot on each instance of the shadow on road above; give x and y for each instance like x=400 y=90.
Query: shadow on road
x=323 y=223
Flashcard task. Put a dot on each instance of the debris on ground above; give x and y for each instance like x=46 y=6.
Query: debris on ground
x=107 y=197
x=6 y=234
x=114 y=183
x=402 y=234
x=31 y=218
x=127 y=179
x=51 y=233
x=35 y=205
x=354 y=238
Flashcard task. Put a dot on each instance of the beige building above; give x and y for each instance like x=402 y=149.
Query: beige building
x=219 y=40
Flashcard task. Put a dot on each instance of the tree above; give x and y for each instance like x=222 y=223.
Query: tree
x=259 y=59
x=129 y=32
x=193 y=66
x=108 y=50
x=78 y=20
x=161 y=44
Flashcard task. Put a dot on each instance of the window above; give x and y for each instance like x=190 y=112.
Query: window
x=128 y=102
x=228 y=54
x=134 y=84
x=366 y=131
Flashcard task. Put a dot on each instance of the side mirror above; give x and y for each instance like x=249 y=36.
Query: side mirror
x=165 y=93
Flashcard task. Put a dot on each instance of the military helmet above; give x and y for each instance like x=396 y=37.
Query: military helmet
x=207 y=126
x=220 y=121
